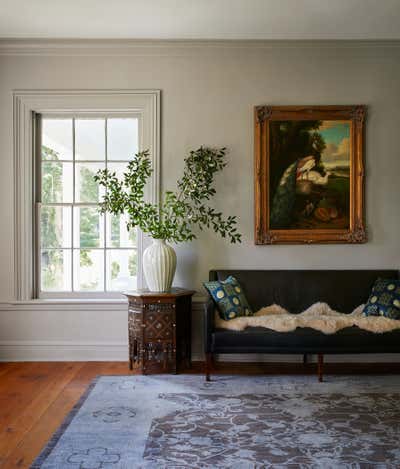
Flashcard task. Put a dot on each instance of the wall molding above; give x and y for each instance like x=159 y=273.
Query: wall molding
x=140 y=48
x=79 y=304
x=23 y=350
x=47 y=350
x=278 y=358
x=28 y=102
x=65 y=305
x=43 y=349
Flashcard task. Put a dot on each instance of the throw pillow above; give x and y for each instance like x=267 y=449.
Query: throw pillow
x=229 y=298
x=384 y=299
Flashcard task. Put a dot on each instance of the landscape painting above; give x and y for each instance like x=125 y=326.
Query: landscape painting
x=309 y=174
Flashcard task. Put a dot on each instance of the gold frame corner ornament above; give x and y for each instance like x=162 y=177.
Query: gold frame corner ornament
x=263 y=113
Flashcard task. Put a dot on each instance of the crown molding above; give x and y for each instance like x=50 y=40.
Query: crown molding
x=131 y=47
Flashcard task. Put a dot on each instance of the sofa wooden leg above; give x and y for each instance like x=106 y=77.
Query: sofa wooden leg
x=209 y=361
x=320 y=367
x=304 y=359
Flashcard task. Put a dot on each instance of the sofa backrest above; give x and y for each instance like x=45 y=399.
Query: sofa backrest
x=296 y=290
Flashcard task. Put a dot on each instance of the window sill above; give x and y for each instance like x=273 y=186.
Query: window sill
x=71 y=301
x=75 y=304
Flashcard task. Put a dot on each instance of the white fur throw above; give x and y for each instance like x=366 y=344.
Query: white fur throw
x=318 y=316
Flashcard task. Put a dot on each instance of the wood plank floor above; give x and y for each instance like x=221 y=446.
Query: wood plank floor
x=35 y=397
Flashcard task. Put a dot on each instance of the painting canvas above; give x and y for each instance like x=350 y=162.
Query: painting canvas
x=309 y=176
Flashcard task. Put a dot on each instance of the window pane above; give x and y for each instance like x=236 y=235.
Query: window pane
x=86 y=188
x=88 y=227
x=56 y=270
x=122 y=138
x=74 y=235
x=121 y=269
x=88 y=270
x=57 y=182
x=118 y=168
x=55 y=227
x=57 y=139
x=117 y=234
x=90 y=139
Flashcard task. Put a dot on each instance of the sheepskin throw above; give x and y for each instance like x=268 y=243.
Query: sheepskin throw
x=318 y=316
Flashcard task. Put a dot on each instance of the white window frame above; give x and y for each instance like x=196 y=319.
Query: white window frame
x=26 y=103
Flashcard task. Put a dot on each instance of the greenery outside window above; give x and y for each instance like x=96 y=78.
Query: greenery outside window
x=80 y=251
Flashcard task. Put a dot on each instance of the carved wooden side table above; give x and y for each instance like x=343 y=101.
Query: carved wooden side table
x=159 y=327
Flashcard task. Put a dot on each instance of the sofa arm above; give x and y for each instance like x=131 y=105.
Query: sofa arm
x=209 y=312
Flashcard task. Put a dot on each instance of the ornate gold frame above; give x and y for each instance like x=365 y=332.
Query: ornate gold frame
x=263 y=115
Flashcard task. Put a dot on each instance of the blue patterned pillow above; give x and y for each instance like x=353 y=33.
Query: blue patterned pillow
x=229 y=298
x=384 y=299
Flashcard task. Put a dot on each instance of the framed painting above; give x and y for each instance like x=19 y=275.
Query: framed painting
x=309 y=174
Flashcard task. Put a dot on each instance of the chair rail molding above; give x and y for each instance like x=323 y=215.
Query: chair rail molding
x=28 y=102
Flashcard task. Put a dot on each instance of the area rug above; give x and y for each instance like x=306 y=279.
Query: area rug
x=232 y=422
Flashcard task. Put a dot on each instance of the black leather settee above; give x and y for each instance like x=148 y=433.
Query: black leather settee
x=296 y=290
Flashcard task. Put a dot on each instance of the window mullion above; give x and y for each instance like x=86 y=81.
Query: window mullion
x=37 y=206
x=73 y=204
x=105 y=215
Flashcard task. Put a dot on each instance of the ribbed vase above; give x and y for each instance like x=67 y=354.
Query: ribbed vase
x=159 y=264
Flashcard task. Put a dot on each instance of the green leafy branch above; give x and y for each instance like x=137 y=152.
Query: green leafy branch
x=179 y=212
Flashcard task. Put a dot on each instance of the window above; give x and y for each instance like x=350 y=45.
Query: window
x=63 y=247
x=82 y=250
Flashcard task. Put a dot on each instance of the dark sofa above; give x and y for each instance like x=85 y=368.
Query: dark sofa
x=296 y=290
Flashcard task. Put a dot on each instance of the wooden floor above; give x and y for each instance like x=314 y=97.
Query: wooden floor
x=35 y=397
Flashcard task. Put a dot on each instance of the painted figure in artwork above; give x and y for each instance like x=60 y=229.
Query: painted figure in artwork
x=309 y=174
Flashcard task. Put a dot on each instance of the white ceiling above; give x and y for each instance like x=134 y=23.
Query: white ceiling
x=201 y=19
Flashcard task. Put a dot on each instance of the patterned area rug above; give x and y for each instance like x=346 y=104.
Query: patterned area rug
x=233 y=422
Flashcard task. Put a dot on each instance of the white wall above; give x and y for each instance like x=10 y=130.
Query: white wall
x=208 y=94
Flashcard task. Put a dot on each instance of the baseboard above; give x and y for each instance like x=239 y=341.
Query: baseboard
x=118 y=351
x=278 y=358
x=62 y=351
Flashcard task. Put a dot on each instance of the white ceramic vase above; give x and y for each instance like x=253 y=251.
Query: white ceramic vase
x=159 y=264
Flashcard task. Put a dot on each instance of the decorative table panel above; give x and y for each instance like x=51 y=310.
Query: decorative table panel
x=159 y=327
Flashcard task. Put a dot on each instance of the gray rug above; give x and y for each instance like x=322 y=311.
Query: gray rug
x=233 y=422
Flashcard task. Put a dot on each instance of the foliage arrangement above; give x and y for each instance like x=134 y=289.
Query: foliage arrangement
x=179 y=212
